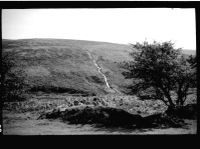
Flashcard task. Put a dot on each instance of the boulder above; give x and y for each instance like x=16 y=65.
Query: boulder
x=93 y=115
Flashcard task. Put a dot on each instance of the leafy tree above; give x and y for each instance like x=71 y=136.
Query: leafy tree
x=160 y=71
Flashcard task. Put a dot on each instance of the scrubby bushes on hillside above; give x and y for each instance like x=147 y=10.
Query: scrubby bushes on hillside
x=56 y=89
x=13 y=85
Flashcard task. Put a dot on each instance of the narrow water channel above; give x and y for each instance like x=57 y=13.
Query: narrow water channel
x=99 y=70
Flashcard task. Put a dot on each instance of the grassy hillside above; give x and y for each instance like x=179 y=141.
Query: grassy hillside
x=189 y=52
x=57 y=65
x=64 y=66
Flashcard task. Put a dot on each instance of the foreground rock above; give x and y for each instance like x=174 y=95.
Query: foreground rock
x=108 y=116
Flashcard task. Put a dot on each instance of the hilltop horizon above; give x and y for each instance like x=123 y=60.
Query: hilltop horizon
x=45 y=38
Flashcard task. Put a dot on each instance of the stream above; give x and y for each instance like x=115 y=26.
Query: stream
x=99 y=70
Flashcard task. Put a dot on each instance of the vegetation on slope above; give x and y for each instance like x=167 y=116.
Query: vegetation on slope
x=63 y=66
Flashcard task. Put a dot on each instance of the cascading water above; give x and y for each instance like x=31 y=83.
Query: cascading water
x=100 y=71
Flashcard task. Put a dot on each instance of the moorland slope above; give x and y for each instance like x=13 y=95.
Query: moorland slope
x=66 y=66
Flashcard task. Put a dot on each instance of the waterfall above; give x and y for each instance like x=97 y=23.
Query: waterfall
x=99 y=70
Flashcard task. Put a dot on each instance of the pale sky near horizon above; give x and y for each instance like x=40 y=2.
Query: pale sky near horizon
x=123 y=25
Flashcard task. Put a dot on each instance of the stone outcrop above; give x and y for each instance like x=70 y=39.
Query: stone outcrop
x=108 y=117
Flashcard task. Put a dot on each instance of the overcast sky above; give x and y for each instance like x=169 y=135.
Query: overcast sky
x=128 y=25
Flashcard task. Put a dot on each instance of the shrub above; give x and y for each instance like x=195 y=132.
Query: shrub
x=160 y=70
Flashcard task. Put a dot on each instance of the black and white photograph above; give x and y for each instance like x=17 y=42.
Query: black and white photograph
x=99 y=71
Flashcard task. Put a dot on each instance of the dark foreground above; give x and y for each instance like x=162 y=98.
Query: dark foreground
x=27 y=124
x=22 y=119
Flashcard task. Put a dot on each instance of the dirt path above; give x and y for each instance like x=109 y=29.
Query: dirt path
x=27 y=124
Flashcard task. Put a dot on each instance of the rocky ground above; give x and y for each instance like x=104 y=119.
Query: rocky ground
x=22 y=118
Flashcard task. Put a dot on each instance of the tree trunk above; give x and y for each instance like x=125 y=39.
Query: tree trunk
x=170 y=100
x=182 y=94
x=180 y=99
x=166 y=92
